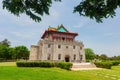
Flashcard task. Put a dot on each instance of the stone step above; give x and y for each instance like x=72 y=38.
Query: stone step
x=83 y=65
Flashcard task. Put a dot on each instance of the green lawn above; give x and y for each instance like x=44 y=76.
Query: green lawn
x=15 y=73
x=7 y=63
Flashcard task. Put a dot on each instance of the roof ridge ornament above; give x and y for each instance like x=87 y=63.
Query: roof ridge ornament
x=61 y=28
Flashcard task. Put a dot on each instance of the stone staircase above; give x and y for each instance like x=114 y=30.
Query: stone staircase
x=83 y=66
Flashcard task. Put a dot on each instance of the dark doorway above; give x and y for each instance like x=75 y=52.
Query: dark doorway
x=67 y=58
x=63 y=38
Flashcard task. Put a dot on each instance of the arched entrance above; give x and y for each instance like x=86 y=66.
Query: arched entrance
x=67 y=58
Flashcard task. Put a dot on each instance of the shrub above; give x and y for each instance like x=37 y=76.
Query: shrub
x=115 y=63
x=106 y=65
x=46 y=64
x=20 y=64
x=35 y=64
x=64 y=65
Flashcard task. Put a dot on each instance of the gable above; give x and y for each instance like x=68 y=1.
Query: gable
x=53 y=29
x=62 y=29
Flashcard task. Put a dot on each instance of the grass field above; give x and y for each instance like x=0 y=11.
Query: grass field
x=8 y=71
x=7 y=63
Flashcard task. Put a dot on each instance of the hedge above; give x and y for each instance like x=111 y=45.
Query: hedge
x=106 y=65
x=35 y=64
x=63 y=65
x=115 y=63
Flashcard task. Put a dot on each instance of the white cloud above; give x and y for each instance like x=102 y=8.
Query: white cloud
x=81 y=23
x=54 y=14
x=109 y=34
x=23 y=20
x=115 y=35
x=52 y=18
x=24 y=35
x=2 y=36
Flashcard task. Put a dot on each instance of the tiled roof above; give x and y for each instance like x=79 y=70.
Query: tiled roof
x=60 y=28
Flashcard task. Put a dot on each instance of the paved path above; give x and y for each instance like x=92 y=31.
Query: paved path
x=75 y=69
x=84 y=66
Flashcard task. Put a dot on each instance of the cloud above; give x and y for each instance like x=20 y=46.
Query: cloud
x=115 y=35
x=2 y=36
x=52 y=18
x=24 y=35
x=23 y=20
x=81 y=23
x=54 y=14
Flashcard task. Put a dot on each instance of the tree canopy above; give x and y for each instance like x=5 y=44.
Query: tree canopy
x=97 y=9
x=89 y=54
x=103 y=57
x=94 y=9
x=9 y=53
x=22 y=52
x=5 y=42
x=12 y=53
x=32 y=8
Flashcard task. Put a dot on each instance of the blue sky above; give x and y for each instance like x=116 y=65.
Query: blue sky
x=103 y=38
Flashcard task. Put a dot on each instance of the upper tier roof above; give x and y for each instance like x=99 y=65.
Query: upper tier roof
x=60 y=29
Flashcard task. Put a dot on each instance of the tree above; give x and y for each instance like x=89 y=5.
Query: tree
x=4 y=52
x=8 y=53
x=103 y=57
x=21 y=52
x=12 y=53
x=33 y=8
x=5 y=42
x=115 y=57
x=97 y=9
x=89 y=54
x=94 y=9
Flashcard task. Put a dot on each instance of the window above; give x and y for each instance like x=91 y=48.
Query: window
x=81 y=48
x=74 y=57
x=59 y=56
x=66 y=46
x=59 y=46
x=73 y=47
x=63 y=38
x=81 y=57
x=48 y=58
x=49 y=45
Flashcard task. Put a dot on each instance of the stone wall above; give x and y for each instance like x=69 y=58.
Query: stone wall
x=48 y=50
x=34 y=51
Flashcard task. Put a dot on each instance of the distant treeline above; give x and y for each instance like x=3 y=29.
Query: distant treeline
x=90 y=55
x=8 y=53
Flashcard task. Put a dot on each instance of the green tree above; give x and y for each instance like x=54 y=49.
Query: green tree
x=89 y=54
x=4 y=52
x=115 y=57
x=1 y=50
x=5 y=42
x=97 y=9
x=94 y=9
x=12 y=53
x=33 y=8
x=103 y=57
x=21 y=52
x=9 y=53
